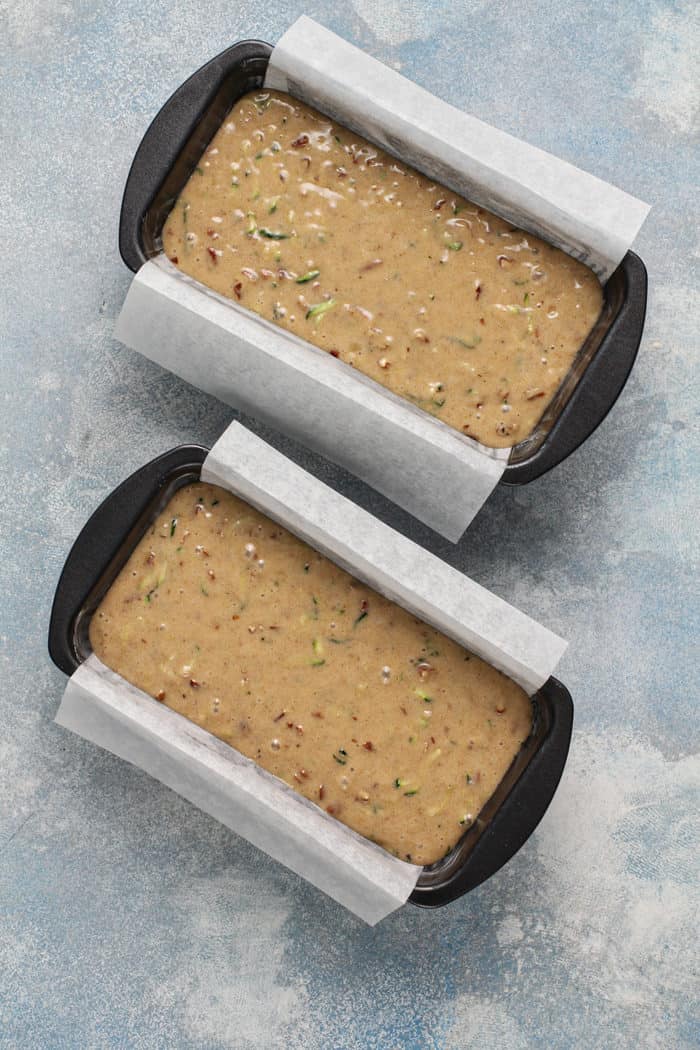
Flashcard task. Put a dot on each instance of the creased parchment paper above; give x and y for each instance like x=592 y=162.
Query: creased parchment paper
x=586 y=217
x=431 y=470
x=100 y=706
x=103 y=708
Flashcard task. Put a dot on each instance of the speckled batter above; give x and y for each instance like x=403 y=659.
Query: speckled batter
x=445 y=304
x=389 y=726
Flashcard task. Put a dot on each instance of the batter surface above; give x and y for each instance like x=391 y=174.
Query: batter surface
x=379 y=719
x=309 y=225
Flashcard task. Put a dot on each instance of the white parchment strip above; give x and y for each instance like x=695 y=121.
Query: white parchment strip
x=372 y=551
x=586 y=217
x=431 y=470
x=103 y=708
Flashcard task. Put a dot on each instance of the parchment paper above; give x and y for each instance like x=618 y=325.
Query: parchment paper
x=579 y=213
x=383 y=558
x=431 y=470
x=102 y=707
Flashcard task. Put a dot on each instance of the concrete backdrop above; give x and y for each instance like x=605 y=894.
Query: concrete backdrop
x=128 y=918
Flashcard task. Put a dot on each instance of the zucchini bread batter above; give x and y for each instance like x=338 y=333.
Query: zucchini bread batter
x=309 y=225
x=379 y=719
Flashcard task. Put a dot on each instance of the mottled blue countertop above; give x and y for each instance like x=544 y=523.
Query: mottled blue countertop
x=127 y=917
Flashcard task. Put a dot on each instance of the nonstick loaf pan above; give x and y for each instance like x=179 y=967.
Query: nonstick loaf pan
x=170 y=151
x=508 y=818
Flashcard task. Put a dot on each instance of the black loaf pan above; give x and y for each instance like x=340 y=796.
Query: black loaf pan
x=170 y=151
x=508 y=818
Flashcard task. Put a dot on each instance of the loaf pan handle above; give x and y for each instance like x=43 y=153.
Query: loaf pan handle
x=168 y=135
x=522 y=810
x=601 y=384
x=98 y=542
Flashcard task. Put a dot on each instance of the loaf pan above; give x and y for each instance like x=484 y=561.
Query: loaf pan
x=508 y=818
x=170 y=151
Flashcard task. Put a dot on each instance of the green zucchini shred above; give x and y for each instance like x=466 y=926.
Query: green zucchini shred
x=320 y=309
x=466 y=343
x=273 y=235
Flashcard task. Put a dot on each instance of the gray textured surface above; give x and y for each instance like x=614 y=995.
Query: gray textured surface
x=127 y=918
